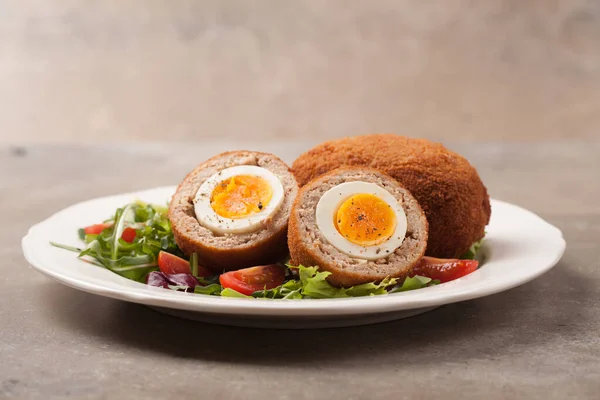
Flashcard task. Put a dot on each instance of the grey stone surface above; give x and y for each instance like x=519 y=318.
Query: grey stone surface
x=189 y=69
x=537 y=341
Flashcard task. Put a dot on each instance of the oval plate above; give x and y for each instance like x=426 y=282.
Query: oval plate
x=519 y=247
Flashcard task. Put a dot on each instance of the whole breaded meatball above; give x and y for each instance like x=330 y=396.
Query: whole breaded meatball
x=446 y=186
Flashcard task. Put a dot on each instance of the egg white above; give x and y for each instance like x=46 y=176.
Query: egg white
x=331 y=201
x=221 y=225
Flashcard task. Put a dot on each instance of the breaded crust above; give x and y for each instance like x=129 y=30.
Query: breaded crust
x=309 y=247
x=446 y=186
x=231 y=251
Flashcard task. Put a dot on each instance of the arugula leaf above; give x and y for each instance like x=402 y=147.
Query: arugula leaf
x=122 y=217
x=208 y=281
x=212 y=289
x=131 y=260
x=66 y=247
x=134 y=267
x=160 y=209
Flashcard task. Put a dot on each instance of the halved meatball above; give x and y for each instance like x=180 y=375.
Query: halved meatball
x=312 y=242
x=222 y=249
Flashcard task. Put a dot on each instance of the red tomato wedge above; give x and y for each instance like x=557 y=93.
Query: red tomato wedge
x=253 y=279
x=171 y=264
x=97 y=228
x=128 y=235
x=444 y=270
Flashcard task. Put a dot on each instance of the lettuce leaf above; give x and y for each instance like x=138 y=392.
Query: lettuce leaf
x=315 y=286
x=312 y=283
x=412 y=283
x=371 y=288
x=228 y=292
x=288 y=290
x=471 y=254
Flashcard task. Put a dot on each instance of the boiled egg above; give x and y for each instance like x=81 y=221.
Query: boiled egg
x=362 y=220
x=239 y=199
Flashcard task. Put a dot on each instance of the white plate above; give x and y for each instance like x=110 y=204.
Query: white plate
x=519 y=247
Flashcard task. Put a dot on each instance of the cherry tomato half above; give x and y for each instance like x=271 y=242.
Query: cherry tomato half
x=253 y=279
x=171 y=264
x=444 y=270
x=97 y=229
x=128 y=235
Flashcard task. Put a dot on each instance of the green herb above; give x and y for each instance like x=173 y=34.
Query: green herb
x=209 y=280
x=66 y=247
x=194 y=264
x=228 y=292
x=212 y=289
x=471 y=254
x=122 y=217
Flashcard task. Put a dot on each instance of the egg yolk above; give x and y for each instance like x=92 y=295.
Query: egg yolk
x=365 y=219
x=241 y=196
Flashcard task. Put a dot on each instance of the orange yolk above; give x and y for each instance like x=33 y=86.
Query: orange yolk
x=365 y=219
x=241 y=196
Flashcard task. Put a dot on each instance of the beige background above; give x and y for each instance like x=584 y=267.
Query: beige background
x=189 y=70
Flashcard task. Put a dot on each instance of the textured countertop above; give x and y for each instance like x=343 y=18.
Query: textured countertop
x=537 y=341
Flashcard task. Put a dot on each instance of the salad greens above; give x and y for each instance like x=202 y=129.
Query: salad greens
x=309 y=284
x=137 y=259
x=131 y=260
x=312 y=284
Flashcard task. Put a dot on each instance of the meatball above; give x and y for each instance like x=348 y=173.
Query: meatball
x=308 y=244
x=229 y=251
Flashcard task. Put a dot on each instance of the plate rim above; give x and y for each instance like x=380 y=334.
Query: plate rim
x=279 y=307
